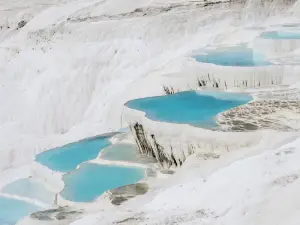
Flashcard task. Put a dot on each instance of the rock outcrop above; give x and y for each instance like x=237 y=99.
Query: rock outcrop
x=57 y=214
x=122 y=194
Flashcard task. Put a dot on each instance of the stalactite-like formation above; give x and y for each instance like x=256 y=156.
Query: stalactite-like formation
x=159 y=153
x=143 y=145
x=250 y=81
x=149 y=146
x=169 y=90
x=169 y=147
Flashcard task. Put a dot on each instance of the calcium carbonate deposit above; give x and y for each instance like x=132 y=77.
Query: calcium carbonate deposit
x=149 y=112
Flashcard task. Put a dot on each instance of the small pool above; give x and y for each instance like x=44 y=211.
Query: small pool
x=189 y=107
x=12 y=210
x=120 y=152
x=91 y=180
x=29 y=188
x=280 y=35
x=68 y=157
x=235 y=56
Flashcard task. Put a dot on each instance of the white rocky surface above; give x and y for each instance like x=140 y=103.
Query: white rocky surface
x=66 y=74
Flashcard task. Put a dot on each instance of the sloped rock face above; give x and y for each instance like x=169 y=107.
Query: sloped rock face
x=197 y=75
x=149 y=146
x=143 y=145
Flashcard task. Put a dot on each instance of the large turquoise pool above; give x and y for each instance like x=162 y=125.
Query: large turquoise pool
x=190 y=107
x=12 y=210
x=91 y=180
x=235 y=56
x=68 y=157
x=281 y=35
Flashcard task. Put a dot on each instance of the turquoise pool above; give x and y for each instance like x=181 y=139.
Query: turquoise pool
x=280 y=35
x=189 y=107
x=91 y=180
x=235 y=56
x=12 y=210
x=68 y=157
x=29 y=188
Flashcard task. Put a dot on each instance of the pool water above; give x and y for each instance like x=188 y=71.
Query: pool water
x=120 y=152
x=280 y=35
x=242 y=57
x=124 y=129
x=190 y=107
x=12 y=210
x=29 y=188
x=91 y=180
x=68 y=157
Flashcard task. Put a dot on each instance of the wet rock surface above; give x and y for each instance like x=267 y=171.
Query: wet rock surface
x=58 y=214
x=21 y=24
x=132 y=220
x=122 y=194
x=207 y=156
x=262 y=114
x=169 y=172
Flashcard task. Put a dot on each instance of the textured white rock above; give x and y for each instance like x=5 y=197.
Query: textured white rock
x=182 y=140
x=229 y=77
x=274 y=47
x=68 y=72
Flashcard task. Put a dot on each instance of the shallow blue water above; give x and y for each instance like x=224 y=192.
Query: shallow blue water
x=280 y=35
x=91 y=180
x=30 y=189
x=190 y=107
x=120 y=152
x=68 y=157
x=233 y=57
x=12 y=210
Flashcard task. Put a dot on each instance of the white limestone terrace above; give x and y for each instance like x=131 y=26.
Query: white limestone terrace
x=68 y=67
x=255 y=184
x=86 y=71
x=277 y=41
x=172 y=143
x=272 y=109
x=193 y=75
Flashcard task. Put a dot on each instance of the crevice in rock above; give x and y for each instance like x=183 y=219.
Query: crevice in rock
x=160 y=155
x=168 y=90
x=143 y=145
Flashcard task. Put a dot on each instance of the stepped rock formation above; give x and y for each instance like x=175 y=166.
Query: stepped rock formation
x=172 y=143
